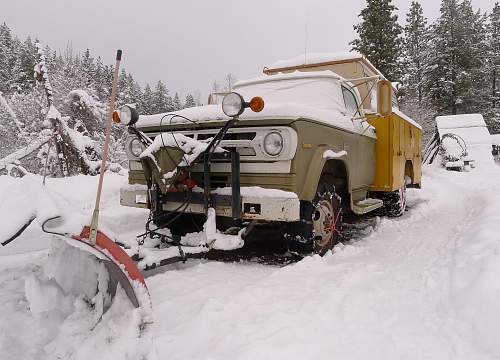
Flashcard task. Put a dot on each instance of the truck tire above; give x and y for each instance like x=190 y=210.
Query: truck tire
x=395 y=202
x=327 y=221
x=320 y=227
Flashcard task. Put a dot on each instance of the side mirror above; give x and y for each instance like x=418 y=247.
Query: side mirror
x=384 y=97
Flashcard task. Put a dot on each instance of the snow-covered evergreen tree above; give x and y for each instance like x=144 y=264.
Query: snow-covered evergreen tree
x=189 y=102
x=177 y=102
x=88 y=69
x=8 y=47
x=160 y=103
x=80 y=89
x=494 y=69
x=379 y=37
x=415 y=46
x=147 y=101
x=123 y=89
x=455 y=74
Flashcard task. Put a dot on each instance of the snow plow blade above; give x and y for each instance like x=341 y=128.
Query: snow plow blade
x=121 y=268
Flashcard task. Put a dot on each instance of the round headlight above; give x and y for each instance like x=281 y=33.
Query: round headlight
x=273 y=143
x=233 y=104
x=136 y=147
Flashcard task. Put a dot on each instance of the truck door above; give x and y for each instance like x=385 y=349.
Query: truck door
x=363 y=146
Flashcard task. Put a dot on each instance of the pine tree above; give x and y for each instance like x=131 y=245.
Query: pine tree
x=80 y=89
x=494 y=67
x=160 y=104
x=88 y=69
x=27 y=55
x=412 y=95
x=123 y=96
x=177 y=102
x=7 y=59
x=134 y=92
x=455 y=73
x=379 y=37
x=147 y=101
x=415 y=46
x=189 y=101
x=99 y=80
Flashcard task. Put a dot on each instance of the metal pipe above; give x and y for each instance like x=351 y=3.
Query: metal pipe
x=235 y=185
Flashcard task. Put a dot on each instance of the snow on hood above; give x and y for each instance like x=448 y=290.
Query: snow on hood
x=313 y=95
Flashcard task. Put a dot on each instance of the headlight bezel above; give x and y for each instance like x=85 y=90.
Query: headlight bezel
x=265 y=145
x=137 y=145
x=233 y=99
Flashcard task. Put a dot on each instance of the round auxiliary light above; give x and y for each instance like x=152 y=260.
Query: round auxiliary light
x=126 y=115
x=257 y=104
x=233 y=104
x=273 y=143
x=136 y=147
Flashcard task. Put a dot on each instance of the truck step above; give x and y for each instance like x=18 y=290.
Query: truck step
x=366 y=205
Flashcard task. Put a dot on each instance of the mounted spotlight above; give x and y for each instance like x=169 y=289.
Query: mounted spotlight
x=126 y=115
x=233 y=104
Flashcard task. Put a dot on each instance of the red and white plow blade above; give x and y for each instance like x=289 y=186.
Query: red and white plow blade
x=121 y=268
x=85 y=295
x=92 y=300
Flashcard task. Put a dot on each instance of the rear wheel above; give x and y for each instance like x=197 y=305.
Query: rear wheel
x=395 y=202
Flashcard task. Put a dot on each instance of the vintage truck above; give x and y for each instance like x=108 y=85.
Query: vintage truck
x=329 y=139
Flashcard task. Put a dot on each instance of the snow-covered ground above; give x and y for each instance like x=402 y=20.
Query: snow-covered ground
x=423 y=286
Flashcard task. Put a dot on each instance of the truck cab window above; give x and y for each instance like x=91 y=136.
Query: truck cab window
x=351 y=103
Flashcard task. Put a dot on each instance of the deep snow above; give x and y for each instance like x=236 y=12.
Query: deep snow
x=423 y=286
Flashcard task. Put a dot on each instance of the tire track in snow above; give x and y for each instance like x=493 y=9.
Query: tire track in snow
x=389 y=291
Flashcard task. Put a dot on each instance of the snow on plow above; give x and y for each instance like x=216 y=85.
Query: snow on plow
x=82 y=287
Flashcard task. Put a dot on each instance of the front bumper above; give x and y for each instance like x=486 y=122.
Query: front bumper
x=283 y=206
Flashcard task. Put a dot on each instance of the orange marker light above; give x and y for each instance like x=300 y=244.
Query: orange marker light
x=257 y=104
x=116 y=117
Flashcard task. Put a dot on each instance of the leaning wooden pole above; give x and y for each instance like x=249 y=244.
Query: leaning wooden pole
x=95 y=216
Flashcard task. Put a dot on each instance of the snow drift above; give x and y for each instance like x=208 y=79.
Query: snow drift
x=72 y=292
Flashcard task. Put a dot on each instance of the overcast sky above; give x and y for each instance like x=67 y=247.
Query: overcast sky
x=188 y=44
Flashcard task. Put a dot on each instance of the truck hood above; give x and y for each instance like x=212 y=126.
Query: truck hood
x=283 y=110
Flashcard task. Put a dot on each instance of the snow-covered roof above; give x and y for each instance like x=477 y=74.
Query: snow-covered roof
x=470 y=127
x=315 y=58
x=407 y=118
x=460 y=121
x=311 y=60
x=312 y=95
x=289 y=76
